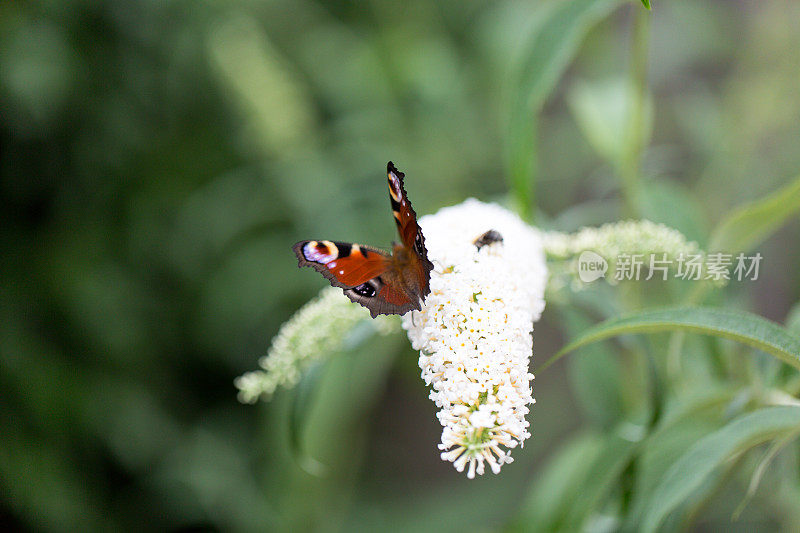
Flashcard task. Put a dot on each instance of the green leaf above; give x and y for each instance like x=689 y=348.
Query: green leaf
x=750 y=224
x=793 y=319
x=551 y=48
x=671 y=203
x=301 y=404
x=317 y=378
x=685 y=421
x=762 y=467
x=646 y=3
x=740 y=326
x=602 y=110
x=554 y=45
x=352 y=381
x=556 y=487
x=697 y=464
x=618 y=450
x=595 y=375
x=275 y=101
x=577 y=479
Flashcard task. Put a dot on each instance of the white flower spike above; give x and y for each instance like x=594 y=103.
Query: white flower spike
x=474 y=332
x=611 y=241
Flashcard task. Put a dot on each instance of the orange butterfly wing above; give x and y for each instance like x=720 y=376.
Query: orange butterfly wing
x=382 y=283
x=343 y=264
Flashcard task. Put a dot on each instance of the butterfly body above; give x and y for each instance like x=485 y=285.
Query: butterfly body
x=383 y=283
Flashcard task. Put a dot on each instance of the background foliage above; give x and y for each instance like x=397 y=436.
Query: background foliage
x=159 y=158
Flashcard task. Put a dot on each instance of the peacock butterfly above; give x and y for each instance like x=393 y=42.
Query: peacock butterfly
x=386 y=284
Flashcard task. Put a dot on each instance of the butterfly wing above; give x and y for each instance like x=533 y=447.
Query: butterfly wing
x=345 y=265
x=404 y=215
x=359 y=270
x=410 y=235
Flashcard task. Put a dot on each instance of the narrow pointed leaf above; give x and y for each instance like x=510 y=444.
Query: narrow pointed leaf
x=750 y=224
x=740 y=326
x=550 y=50
x=302 y=399
x=693 y=468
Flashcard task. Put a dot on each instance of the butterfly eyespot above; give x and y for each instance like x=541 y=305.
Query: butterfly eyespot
x=365 y=289
x=320 y=252
x=394 y=187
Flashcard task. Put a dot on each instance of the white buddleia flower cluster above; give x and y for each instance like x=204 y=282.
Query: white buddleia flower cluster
x=615 y=237
x=612 y=241
x=316 y=330
x=474 y=332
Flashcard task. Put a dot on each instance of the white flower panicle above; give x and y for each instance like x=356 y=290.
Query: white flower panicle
x=615 y=239
x=317 y=329
x=474 y=332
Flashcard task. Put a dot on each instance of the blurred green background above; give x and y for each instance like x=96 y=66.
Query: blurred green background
x=159 y=159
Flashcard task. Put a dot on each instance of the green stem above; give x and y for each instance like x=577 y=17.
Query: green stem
x=630 y=164
x=522 y=163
